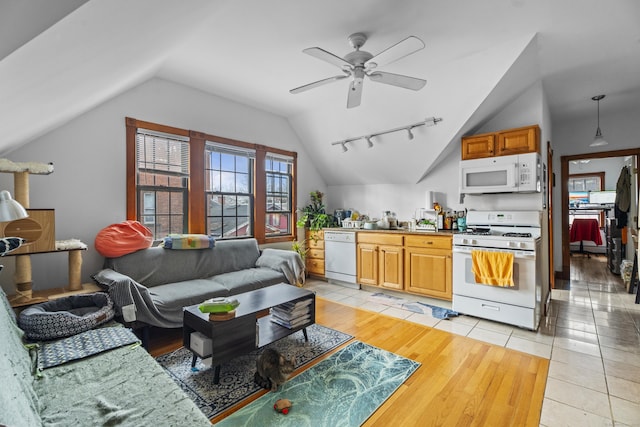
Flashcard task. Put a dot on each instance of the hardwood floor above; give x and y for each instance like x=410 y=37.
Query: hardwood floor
x=461 y=381
x=591 y=268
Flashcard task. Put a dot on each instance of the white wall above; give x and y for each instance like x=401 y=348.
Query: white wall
x=610 y=166
x=87 y=188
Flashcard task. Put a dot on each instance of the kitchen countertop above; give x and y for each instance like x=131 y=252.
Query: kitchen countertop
x=395 y=231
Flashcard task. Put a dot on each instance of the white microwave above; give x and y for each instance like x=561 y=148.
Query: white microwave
x=519 y=173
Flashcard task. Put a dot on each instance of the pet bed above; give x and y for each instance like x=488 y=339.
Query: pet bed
x=66 y=316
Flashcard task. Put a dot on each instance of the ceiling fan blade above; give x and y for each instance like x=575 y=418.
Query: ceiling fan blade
x=399 y=50
x=355 y=93
x=327 y=57
x=397 y=80
x=318 y=83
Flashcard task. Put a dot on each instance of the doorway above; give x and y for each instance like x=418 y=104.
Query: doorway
x=610 y=182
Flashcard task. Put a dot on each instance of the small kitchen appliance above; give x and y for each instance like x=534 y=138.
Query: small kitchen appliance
x=516 y=232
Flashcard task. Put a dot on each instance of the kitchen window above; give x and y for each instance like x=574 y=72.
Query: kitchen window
x=192 y=182
x=579 y=187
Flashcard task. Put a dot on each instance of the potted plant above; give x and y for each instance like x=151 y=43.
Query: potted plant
x=313 y=215
x=300 y=248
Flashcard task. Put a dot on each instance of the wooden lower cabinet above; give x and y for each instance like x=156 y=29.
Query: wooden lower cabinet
x=380 y=260
x=428 y=266
x=314 y=260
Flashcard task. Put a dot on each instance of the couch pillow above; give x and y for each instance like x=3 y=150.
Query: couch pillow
x=188 y=241
x=123 y=238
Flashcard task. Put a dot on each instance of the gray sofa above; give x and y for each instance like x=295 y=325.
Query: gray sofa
x=123 y=386
x=153 y=285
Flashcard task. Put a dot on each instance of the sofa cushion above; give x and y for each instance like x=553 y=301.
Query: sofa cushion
x=170 y=299
x=158 y=266
x=237 y=282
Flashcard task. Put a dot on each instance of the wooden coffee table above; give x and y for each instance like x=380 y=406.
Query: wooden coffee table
x=251 y=328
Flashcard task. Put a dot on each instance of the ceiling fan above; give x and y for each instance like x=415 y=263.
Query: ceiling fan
x=360 y=63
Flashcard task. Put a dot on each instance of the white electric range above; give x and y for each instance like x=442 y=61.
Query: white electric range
x=516 y=232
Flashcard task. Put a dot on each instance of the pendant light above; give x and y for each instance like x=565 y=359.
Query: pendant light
x=598 y=140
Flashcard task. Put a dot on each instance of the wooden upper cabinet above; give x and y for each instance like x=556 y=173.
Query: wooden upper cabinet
x=518 y=141
x=502 y=143
x=478 y=146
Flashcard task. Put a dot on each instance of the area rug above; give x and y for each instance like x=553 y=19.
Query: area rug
x=416 y=307
x=236 y=376
x=342 y=390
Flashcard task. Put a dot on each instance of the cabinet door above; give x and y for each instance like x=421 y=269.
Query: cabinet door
x=518 y=141
x=478 y=146
x=428 y=272
x=315 y=266
x=367 y=260
x=390 y=271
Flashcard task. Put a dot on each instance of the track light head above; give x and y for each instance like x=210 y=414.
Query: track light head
x=369 y=143
x=410 y=133
x=344 y=146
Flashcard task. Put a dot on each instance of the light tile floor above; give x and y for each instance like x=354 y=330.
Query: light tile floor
x=591 y=335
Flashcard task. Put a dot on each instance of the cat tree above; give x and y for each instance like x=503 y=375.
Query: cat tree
x=39 y=235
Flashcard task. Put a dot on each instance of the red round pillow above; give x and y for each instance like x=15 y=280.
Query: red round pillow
x=123 y=238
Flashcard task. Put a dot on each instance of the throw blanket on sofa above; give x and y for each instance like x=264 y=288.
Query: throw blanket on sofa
x=288 y=262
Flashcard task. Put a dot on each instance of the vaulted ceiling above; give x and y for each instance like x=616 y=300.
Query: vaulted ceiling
x=60 y=59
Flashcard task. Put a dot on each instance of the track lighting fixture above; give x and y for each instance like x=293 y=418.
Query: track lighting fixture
x=431 y=121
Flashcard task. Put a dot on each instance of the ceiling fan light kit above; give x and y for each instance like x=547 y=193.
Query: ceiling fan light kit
x=360 y=63
x=431 y=121
x=598 y=140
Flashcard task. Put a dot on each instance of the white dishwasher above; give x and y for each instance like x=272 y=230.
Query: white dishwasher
x=340 y=255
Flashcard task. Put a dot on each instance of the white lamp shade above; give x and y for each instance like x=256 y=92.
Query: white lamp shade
x=10 y=210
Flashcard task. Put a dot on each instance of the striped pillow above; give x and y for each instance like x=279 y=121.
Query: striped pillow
x=188 y=241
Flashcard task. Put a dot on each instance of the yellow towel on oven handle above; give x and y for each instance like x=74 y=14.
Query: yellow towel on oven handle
x=492 y=268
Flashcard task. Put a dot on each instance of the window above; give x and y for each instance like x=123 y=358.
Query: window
x=229 y=190
x=162 y=176
x=181 y=181
x=279 y=172
x=579 y=187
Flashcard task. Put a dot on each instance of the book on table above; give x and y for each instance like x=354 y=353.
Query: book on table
x=291 y=314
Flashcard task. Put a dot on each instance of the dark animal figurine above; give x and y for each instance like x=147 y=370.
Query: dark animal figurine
x=273 y=369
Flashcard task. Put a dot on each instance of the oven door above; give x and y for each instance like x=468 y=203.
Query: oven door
x=523 y=294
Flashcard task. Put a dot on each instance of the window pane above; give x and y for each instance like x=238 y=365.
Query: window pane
x=242 y=183
x=228 y=184
x=227 y=162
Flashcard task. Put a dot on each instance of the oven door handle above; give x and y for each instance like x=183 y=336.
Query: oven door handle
x=516 y=253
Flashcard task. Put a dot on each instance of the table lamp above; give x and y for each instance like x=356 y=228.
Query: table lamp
x=10 y=210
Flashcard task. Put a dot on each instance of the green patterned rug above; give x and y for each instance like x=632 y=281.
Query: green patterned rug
x=342 y=390
x=236 y=376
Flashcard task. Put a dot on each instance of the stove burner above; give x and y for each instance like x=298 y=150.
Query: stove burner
x=517 y=234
